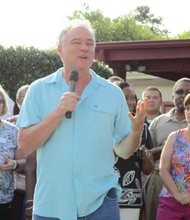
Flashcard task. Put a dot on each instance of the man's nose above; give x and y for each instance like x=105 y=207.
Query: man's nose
x=84 y=46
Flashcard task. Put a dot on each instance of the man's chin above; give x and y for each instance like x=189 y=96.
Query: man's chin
x=181 y=109
x=152 y=110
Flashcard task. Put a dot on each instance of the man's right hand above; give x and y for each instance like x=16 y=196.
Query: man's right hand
x=67 y=103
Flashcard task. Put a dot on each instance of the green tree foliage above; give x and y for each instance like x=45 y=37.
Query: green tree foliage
x=143 y=15
x=101 y=24
x=102 y=69
x=125 y=28
x=140 y=25
x=19 y=66
x=184 y=35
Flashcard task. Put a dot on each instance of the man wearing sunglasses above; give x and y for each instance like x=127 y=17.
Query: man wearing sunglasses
x=160 y=128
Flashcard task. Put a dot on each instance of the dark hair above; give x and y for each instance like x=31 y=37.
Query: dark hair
x=152 y=88
x=187 y=100
x=122 y=84
x=184 y=79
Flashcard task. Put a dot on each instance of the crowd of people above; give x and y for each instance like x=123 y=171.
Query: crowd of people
x=117 y=157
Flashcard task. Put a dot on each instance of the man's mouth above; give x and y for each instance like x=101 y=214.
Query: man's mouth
x=83 y=57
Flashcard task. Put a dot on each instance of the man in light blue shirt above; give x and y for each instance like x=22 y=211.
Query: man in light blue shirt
x=75 y=159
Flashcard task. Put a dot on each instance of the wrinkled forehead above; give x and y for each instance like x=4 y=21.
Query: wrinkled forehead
x=80 y=32
x=151 y=93
x=183 y=85
x=76 y=28
x=128 y=91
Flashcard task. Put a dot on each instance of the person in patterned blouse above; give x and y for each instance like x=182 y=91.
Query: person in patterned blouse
x=18 y=203
x=8 y=159
x=174 y=200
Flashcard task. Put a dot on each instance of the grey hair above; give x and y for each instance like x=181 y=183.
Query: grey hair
x=21 y=90
x=72 y=24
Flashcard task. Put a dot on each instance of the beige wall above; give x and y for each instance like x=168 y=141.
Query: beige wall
x=140 y=81
x=166 y=91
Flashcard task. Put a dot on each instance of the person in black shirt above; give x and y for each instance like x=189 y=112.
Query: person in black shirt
x=129 y=171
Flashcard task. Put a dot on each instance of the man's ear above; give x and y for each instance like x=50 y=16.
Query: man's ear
x=173 y=97
x=18 y=102
x=59 y=49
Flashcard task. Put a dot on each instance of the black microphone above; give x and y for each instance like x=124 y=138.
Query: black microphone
x=74 y=75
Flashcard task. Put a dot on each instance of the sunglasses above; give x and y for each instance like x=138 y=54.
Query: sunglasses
x=182 y=92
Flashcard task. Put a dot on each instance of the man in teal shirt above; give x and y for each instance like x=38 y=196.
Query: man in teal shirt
x=75 y=159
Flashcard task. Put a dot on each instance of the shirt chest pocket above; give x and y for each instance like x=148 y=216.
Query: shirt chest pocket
x=101 y=109
x=101 y=114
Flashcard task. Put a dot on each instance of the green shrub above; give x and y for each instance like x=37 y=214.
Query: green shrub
x=20 y=65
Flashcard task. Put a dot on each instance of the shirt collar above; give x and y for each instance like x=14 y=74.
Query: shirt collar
x=171 y=116
x=55 y=77
x=95 y=81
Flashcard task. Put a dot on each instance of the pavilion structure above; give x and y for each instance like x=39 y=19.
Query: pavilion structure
x=168 y=59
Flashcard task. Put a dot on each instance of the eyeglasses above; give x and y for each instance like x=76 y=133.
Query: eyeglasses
x=182 y=92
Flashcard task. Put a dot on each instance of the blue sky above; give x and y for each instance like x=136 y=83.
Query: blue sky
x=37 y=22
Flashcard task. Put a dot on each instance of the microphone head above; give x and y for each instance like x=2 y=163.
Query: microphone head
x=74 y=75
